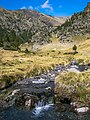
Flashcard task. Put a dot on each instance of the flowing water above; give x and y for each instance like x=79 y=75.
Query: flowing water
x=47 y=112
x=44 y=109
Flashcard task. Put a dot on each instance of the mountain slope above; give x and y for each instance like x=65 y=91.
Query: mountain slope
x=77 y=25
x=25 y=26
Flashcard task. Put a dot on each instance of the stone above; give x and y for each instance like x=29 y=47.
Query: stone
x=39 y=81
x=28 y=103
x=82 y=109
x=15 y=92
x=48 y=88
x=73 y=70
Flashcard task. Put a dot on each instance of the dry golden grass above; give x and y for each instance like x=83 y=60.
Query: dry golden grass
x=14 y=63
x=15 y=66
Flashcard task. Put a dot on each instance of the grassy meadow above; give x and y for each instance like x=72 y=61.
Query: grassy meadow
x=16 y=65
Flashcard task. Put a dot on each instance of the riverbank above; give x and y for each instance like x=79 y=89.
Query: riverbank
x=74 y=86
x=30 y=90
x=34 y=98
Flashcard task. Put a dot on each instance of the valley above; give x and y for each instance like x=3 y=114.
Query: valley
x=44 y=65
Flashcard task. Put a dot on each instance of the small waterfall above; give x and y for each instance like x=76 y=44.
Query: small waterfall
x=40 y=107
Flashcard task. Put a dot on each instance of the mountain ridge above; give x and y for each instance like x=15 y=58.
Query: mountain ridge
x=77 y=25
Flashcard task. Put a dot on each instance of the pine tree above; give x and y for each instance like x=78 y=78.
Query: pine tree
x=75 y=48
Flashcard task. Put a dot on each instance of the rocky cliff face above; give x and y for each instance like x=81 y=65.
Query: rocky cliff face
x=77 y=25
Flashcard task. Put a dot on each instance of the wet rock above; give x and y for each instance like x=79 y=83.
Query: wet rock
x=48 y=88
x=15 y=92
x=27 y=100
x=39 y=81
x=29 y=103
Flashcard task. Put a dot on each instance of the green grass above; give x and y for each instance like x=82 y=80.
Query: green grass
x=75 y=86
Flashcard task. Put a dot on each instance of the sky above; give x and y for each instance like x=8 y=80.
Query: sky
x=50 y=7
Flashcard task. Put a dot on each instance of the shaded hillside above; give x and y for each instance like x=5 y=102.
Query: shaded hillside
x=27 y=26
x=77 y=25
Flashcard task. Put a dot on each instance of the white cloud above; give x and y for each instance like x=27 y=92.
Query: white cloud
x=30 y=7
x=46 y=5
x=23 y=8
x=37 y=8
x=60 y=6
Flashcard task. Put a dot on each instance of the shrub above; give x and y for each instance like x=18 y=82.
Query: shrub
x=26 y=50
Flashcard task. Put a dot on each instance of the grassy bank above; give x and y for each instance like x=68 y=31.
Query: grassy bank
x=75 y=86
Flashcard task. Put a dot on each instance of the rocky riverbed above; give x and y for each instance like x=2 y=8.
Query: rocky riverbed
x=37 y=95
